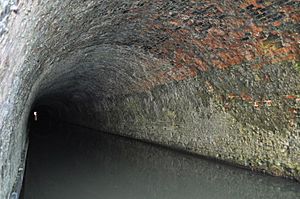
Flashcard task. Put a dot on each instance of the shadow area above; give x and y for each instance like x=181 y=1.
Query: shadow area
x=71 y=162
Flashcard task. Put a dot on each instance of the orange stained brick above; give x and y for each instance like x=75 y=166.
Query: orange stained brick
x=293 y=110
x=268 y=102
x=249 y=55
x=210 y=88
x=217 y=31
x=256 y=104
x=157 y=26
x=256 y=30
x=181 y=55
x=236 y=57
x=284 y=50
x=288 y=9
x=290 y=97
x=277 y=23
x=236 y=35
x=200 y=65
x=251 y=2
x=212 y=42
x=178 y=77
x=258 y=65
x=232 y=96
x=183 y=32
x=219 y=64
x=246 y=97
x=275 y=32
x=193 y=72
x=175 y=22
x=234 y=23
x=285 y=58
x=227 y=106
x=219 y=8
x=230 y=58
x=295 y=17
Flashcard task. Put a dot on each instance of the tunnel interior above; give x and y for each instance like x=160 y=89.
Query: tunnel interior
x=213 y=78
x=75 y=162
x=79 y=87
x=72 y=89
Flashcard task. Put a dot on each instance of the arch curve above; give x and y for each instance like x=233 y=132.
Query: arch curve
x=215 y=79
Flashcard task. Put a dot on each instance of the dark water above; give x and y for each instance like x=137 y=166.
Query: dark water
x=76 y=163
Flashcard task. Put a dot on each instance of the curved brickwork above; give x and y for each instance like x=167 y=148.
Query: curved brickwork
x=216 y=78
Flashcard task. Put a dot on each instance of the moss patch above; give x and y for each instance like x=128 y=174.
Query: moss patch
x=297 y=66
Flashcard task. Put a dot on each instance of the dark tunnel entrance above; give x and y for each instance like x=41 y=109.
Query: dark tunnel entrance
x=42 y=117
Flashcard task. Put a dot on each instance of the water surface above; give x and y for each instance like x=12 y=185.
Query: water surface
x=71 y=162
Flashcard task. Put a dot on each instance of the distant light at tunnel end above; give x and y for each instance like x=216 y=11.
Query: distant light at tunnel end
x=35 y=115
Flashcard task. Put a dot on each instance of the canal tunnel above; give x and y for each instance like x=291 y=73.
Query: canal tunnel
x=214 y=78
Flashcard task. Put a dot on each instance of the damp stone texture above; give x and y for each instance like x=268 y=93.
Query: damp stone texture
x=215 y=78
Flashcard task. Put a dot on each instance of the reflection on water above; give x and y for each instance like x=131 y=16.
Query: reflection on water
x=77 y=163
